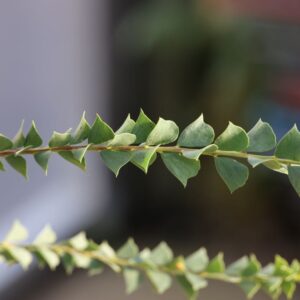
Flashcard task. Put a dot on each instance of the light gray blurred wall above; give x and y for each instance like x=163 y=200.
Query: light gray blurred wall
x=53 y=66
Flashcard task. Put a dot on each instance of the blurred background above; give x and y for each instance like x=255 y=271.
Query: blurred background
x=231 y=60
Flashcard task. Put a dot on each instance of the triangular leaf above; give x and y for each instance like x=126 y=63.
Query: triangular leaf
x=234 y=138
x=42 y=159
x=18 y=163
x=122 y=139
x=19 y=139
x=100 y=132
x=60 y=139
x=144 y=158
x=294 y=177
x=160 y=281
x=127 y=126
x=115 y=160
x=82 y=131
x=142 y=128
x=196 y=153
x=17 y=233
x=261 y=137
x=197 y=134
x=33 y=138
x=133 y=279
x=45 y=237
x=72 y=158
x=5 y=143
x=233 y=173
x=161 y=254
x=197 y=261
x=128 y=250
x=164 y=132
x=216 y=265
x=181 y=167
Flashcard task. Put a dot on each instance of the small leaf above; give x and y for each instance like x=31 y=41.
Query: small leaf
x=197 y=134
x=79 y=241
x=261 y=137
x=5 y=143
x=196 y=282
x=106 y=250
x=2 y=166
x=115 y=160
x=21 y=255
x=82 y=131
x=42 y=159
x=122 y=139
x=216 y=265
x=181 y=167
x=132 y=279
x=71 y=157
x=60 y=139
x=142 y=128
x=45 y=237
x=236 y=268
x=253 y=267
x=294 y=177
x=19 y=139
x=81 y=261
x=17 y=233
x=289 y=146
x=48 y=256
x=33 y=138
x=233 y=173
x=195 y=154
x=18 y=163
x=289 y=289
x=100 y=132
x=250 y=288
x=128 y=250
x=144 y=158
x=197 y=261
x=160 y=281
x=276 y=166
x=164 y=132
x=162 y=254
x=187 y=286
x=234 y=138
x=127 y=126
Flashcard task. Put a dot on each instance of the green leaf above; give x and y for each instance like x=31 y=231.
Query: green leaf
x=142 y=128
x=234 y=138
x=17 y=233
x=33 y=138
x=161 y=254
x=276 y=166
x=45 y=237
x=196 y=281
x=71 y=157
x=80 y=153
x=253 y=267
x=216 y=265
x=261 y=137
x=197 y=134
x=144 y=158
x=289 y=289
x=42 y=159
x=250 y=288
x=115 y=160
x=19 y=139
x=21 y=255
x=128 y=250
x=100 y=132
x=81 y=261
x=107 y=251
x=82 y=131
x=160 y=281
x=195 y=154
x=122 y=139
x=48 y=256
x=294 y=177
x=181 y=167
x=197 y=261
x=127 y=126
x=236 y=268
x=289 y=146
x=18 y=163
x=164 y=132
x=79 y=241
x=5 y=143
x=2 y=166
x=187 y=286
x=60 y=139
x=132 y=279
x=233 y=173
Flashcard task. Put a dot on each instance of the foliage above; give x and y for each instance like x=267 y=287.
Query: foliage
x=159 y=265
x=140 y=141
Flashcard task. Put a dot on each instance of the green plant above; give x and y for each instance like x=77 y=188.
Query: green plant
x=140 y=142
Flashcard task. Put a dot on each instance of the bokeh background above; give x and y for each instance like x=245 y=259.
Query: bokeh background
x=231 y=60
